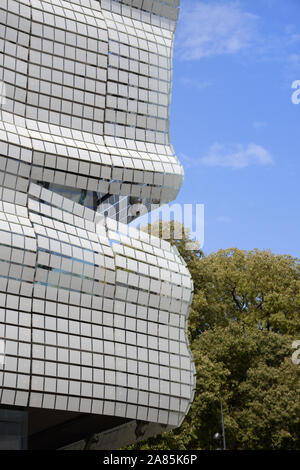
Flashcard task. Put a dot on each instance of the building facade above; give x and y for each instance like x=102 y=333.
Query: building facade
x=93 y=313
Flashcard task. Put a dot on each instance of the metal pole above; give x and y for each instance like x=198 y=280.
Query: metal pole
x=223 y=427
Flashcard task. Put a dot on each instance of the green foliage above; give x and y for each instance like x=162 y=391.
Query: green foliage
x=244 y=318
x=254 y=374
x=255 y=287
x=252 y=370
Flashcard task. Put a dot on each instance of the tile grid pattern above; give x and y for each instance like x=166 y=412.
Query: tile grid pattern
x=93 y=317
x=61 y=84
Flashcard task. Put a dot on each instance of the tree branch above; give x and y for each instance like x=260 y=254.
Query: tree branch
x=235 y=299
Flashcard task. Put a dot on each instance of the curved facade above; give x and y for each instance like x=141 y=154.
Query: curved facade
x=93 y=312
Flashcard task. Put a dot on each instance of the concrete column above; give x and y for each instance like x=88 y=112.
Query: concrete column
x=13 y=428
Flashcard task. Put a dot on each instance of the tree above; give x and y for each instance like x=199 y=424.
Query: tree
x=251 y=287
x=259 y=384
x=252 y=370
x=244 y=318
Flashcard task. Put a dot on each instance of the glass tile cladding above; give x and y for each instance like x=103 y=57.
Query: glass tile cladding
x=93 y=315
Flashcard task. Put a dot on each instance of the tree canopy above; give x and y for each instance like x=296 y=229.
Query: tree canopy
x=244 y=318
x=251 y=287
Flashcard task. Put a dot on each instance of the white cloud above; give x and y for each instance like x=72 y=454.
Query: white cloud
x=193 y=82
x=292 y=33
x=188 y=162
x=214 y=28
x=259 y=124
x=237 y=156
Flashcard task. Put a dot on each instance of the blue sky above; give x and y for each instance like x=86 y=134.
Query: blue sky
x=233 y=124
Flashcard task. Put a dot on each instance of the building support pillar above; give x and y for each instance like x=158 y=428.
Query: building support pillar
x=13 y=428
